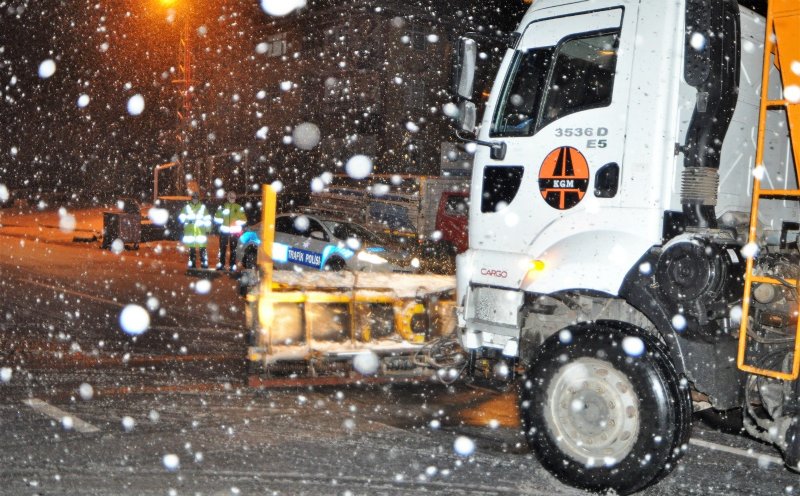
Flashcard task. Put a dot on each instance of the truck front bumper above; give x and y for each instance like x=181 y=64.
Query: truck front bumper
x=491 y=318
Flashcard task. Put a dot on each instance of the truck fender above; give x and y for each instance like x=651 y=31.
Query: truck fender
x=706 y=364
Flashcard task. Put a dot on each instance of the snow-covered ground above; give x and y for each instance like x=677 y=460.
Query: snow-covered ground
x=400 y=285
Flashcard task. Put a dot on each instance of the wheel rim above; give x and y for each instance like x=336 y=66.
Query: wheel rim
x=593 y=411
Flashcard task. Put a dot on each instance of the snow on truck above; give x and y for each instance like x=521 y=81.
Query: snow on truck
x=633 y=229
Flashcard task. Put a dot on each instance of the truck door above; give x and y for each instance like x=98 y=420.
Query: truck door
x=560 y=106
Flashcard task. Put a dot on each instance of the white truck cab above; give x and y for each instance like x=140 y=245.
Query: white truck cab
x=608 y=211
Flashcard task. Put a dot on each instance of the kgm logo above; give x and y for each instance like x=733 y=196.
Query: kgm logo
x=564 y=178
x=502 y=274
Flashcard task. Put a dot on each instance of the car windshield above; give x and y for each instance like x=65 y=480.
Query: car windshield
x=347 y=230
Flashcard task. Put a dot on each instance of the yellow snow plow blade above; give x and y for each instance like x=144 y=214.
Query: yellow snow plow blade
x=315 y=322
x=336 y=324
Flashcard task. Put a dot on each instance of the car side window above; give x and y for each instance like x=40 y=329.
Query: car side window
x=285 y=225
x=316 y=231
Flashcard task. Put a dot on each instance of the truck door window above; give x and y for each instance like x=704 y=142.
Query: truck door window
x=500 y=186
x=548 y=83
x=583 y=77
x=456 y=206
x=521 y=98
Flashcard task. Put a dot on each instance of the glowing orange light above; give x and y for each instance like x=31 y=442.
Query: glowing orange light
x=168 y=3
x=537 y=265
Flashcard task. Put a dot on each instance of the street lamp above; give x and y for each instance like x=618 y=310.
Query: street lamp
x=185 y=82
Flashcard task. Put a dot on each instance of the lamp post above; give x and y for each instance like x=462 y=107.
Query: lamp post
x=184 y=81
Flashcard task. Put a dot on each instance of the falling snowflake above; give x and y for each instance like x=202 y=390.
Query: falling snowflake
x=203 y=286
x=171 y=462
x=366 y=363
x=679 y=322
x=301 y=223
x=750 y=250
x=633 y=345
x=464 y=446
x=306 y=136
x=698 y=41
x=47 y=68
x=66 y=221
x=136 y=104
x=281 y=7
x=792 y=93
x=736 y=314
x=128 y=423
x=358 y=167
x=158 y=216
x=134 y=320
x=317 y=185
x=117 y=246
x=86 y=391
x=450 y=110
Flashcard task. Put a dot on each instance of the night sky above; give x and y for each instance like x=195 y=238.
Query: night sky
x=111 y=50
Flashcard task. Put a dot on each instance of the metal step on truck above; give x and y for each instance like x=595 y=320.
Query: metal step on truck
x=633 y=230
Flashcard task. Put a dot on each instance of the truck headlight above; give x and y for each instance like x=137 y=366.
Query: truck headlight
x=371 y=258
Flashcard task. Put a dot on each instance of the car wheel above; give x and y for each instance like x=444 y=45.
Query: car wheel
x=334 y=265
x=603 y=408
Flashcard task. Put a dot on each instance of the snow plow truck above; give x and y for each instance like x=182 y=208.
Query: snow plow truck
x=633 y=229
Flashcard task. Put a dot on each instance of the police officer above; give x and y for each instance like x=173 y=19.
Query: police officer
x=230 y=220
x=196 y=220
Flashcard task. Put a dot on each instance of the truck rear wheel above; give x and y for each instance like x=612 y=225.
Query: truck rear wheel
x=603 y=408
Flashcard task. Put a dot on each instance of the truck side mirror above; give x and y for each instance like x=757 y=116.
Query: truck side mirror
x=464 y=67
x=467 y=116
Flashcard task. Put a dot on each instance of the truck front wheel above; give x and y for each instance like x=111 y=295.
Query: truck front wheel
x=603 y=408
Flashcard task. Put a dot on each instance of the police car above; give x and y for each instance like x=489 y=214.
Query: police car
x=309 y=241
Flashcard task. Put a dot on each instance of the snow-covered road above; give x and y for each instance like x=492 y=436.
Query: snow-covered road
x=87 y=409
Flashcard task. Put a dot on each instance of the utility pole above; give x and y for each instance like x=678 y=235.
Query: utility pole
x=185 y=82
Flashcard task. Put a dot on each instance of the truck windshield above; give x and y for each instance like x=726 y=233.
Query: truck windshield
x=548 y=83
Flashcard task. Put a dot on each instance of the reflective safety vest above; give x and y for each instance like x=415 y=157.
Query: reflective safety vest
x=230 y=218
x=196 y=225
